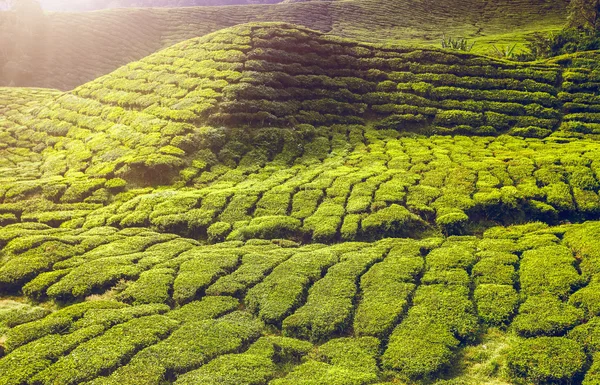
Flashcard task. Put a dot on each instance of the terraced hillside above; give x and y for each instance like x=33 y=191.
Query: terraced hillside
x=65 y=50
x=271 y=205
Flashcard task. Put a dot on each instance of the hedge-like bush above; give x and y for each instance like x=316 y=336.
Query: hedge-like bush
x=546 y=360
x=545 y=315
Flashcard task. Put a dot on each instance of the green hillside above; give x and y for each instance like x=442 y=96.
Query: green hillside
x=268 y=204
x=65 y=50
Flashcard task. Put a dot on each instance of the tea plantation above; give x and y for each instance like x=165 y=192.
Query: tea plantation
x=268 y=204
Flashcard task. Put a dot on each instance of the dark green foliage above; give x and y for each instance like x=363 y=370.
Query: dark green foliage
x=546 y=359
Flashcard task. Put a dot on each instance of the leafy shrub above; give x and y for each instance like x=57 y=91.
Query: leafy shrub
x=495 y=303
x=530 y=132
x=14 y=313
x=153 y=286
x=231 y=369
x=254 y=267
x=282 y=291
x=386 y=288
x=452 y=223
x=208 y=307
x=546 y=359
x=27 y=361
x=330 y=301
x=199 y=272
x=217 y=232
x=549 y=269
x=53 y=323
x=588 y=335
x=587 y=298
x=545 y=315
x=268 y=228
x=392 y=221
x=451 y=118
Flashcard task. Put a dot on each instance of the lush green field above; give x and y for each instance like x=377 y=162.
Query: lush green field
x=268 y=204
x=65 y=50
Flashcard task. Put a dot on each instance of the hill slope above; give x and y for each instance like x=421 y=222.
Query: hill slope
x=229 y=211
x=64 y=50
x=254 y=95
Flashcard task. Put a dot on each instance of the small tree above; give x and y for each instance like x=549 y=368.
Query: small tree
x=584 y=14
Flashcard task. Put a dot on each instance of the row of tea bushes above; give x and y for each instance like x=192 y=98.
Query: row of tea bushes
x=383 y=185
x=441 y=315
x=177 y=288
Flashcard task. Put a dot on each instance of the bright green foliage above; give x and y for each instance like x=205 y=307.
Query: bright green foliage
x=587 y=298
x=13 y=313
x=253 y=269
x=545 y=315
x=592 y=376
x=495 y=303
x=232 y=369
x=111 y=317
x=217 y=232
x=328 y=308
x=386 y=289
x=588 y=335
x=153 y=286
x=549 y=270
x=199 y=272
x=423 y=342
x=263 y=174
x=190 y=346
x=84 y=279
x=393 y=221
x=339 y=361
x=268 y=227
x=26 y=361
x=123 y=340
x=53 y=323
x=208 y=308
x=546 y=359
x=282 y=291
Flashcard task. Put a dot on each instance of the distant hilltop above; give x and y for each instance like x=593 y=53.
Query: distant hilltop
x=94 y=5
